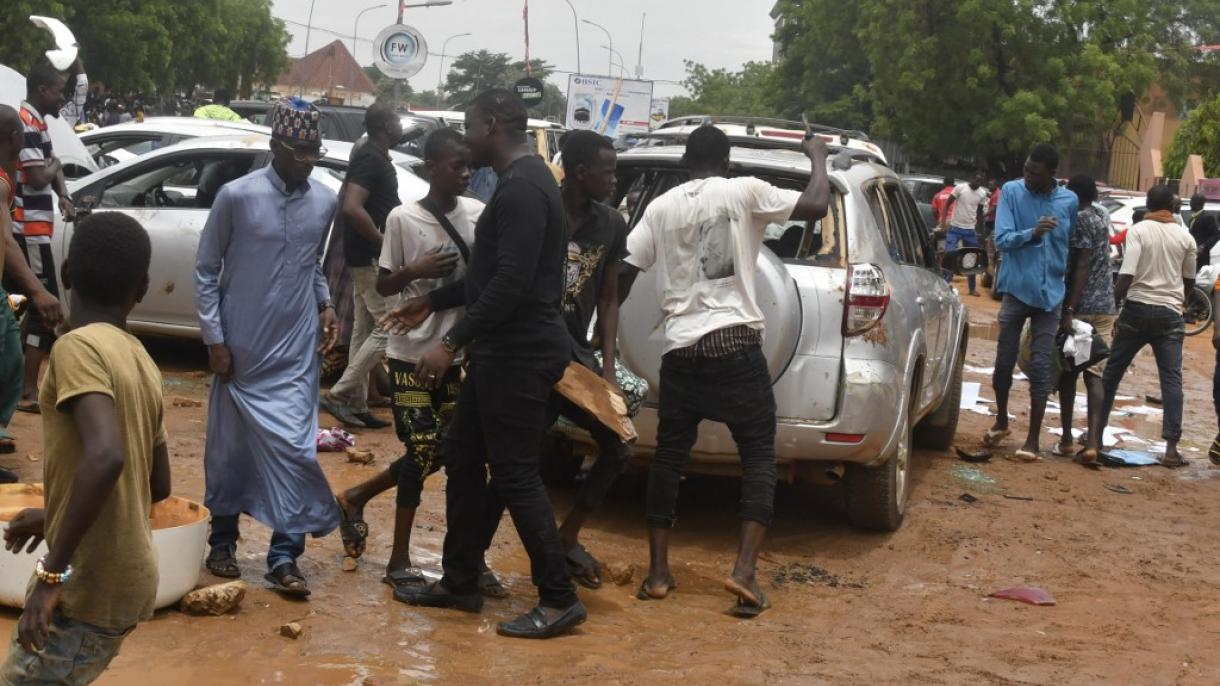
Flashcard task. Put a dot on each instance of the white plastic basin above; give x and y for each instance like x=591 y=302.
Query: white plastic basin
x=180 y=532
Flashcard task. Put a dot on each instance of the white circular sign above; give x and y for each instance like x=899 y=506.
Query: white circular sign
x=401 y=51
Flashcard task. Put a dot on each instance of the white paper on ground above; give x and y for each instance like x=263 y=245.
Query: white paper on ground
x=1143 y=410
x=988 y=371
x=1109 y=439
x=970 y=394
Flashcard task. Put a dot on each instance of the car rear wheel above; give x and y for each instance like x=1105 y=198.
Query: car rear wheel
x=937 y=430
x=876 y=496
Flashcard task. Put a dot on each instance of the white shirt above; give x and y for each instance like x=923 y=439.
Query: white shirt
x=410 y=233
x=1158 y=257
x=704 y=237
x=966 y=206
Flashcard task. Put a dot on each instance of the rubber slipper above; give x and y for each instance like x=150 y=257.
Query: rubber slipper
x=287 y=580
x=993 y=437
x=353 y=532
x=1088 y=458
x=1058 y=451
x=584 y=568
x=748 y=610
x=399 y=578
x=975 y=457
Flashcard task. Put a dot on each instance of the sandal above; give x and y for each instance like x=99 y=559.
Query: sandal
x=490 y=586
x=1213 y=453
x=1026 y=457
x=1088 y=458
x=645 y=593
x=29 y=406
x=8 y=444
x=750 y=601
x=354 y=532
x=584 y=568
x=1173 y=464
x=222 y=562
x=993 y=437
x=288 y=581
x=399 y=578
x=1060 y=451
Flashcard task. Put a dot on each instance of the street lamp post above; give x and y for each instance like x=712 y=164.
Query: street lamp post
x=402 y=5
x=356 y=28
x=440 y=71
x=576 y=28
x=622 y=65
x=610 y=39
x=308 y=30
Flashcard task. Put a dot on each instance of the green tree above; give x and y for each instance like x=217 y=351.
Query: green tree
x=986 y=78
x=474 y=72
x=719 y=91
x=385 y=90
x=1198 y=135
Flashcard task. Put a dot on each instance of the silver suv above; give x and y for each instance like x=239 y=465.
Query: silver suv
x=865 y=339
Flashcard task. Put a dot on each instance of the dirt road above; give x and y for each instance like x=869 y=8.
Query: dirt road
x=1134 y=575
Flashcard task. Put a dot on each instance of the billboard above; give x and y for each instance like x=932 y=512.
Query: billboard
x=660 y=110
x=612 y=107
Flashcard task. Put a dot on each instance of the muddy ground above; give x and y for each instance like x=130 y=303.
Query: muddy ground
x=1134 y=575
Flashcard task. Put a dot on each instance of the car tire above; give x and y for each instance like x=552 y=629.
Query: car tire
x=876 y=496
x=937 y=430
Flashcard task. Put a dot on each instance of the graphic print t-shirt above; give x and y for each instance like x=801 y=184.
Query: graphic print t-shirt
x=600 y=240
x=704 y=237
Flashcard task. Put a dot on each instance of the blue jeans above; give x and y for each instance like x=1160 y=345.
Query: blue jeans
x=75 y=654
x=1043 y=324
x=1140 y=324
x=966 y=237
x=284 y=548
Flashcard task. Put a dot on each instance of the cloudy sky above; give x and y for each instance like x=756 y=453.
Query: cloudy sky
x=717 y=33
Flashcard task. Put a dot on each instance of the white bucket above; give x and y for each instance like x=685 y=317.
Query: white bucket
x=179 y=545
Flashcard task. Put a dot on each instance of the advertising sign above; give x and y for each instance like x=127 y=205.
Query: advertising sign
x=611 y=107
x=530 y=91
x=401 y=51
x=660 y=111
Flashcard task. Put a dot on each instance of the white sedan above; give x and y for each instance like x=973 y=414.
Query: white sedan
x=111 y=145
x=170 y=191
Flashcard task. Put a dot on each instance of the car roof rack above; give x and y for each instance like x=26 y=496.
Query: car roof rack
x=701 y=119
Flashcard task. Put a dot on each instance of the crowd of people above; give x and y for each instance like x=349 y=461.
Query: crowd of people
x=480 y=310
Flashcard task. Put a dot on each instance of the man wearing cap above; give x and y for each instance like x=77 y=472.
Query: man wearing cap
x=265 y=313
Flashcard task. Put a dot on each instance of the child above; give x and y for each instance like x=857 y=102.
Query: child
x=100 y=577
x=418 y=256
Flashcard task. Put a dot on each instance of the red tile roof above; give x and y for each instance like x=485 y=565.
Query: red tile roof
x=328 y=67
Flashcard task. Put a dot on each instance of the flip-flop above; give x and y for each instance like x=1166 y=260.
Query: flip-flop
x=1088 y=458
x=993 y=437
x=490 y=586
x=1213 y=453
x=288 y=581
x=353 y=532
x=28 y=406
x=584 y=568
x=399 y=578
x=644 y=594
x=1058 y=451
x=750 y=601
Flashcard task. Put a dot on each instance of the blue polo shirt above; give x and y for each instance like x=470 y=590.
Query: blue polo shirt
x=1033 y=268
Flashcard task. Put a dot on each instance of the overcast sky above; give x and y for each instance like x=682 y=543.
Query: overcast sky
x=717 y=33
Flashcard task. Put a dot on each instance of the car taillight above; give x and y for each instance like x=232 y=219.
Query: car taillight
x=868 y=295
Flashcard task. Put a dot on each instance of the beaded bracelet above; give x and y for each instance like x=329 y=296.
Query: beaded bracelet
x=51 y=578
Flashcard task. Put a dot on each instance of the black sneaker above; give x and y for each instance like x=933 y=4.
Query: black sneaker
x=533 y=624
x=371 y=422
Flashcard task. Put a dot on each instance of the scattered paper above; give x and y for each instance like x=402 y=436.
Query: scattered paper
x=1110 y=438
x=1144 y=410
x=970 y=394
x=988 y=371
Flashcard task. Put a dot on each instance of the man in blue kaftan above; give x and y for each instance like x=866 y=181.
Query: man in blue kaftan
x=265 y=313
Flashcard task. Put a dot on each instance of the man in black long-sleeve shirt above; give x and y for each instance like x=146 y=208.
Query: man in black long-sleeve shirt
x=519 y=347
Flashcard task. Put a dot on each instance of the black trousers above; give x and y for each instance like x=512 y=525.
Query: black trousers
x=735 y=390
x=497 y=427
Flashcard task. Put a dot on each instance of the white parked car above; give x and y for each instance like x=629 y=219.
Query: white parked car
x=113 y=144
x=170 y=191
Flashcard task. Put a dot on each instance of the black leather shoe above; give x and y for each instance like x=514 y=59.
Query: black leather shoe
x=370 y=421
x=533 y=624
x=435 y=595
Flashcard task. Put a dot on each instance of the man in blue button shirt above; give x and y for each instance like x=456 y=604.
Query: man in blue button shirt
x=1033 y=230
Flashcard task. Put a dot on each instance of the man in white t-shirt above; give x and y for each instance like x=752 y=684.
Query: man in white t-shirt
x=969 y=202
x=418 y=256
x=703 y=238
x=1158 y=271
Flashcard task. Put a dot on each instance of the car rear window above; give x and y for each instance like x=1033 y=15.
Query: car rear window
x=793 y=241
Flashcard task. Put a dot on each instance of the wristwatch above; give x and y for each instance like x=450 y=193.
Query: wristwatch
x=326 y=305
x=449 y=345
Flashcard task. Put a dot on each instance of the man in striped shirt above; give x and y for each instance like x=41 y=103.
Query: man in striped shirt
x=39 y=178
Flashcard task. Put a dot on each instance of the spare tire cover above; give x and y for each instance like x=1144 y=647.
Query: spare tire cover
x=641 y=333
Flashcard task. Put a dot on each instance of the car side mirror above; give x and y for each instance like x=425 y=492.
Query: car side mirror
x=965 y=261
x=85 y=207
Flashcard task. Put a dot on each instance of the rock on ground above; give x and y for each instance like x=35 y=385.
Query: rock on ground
x=214 y=600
